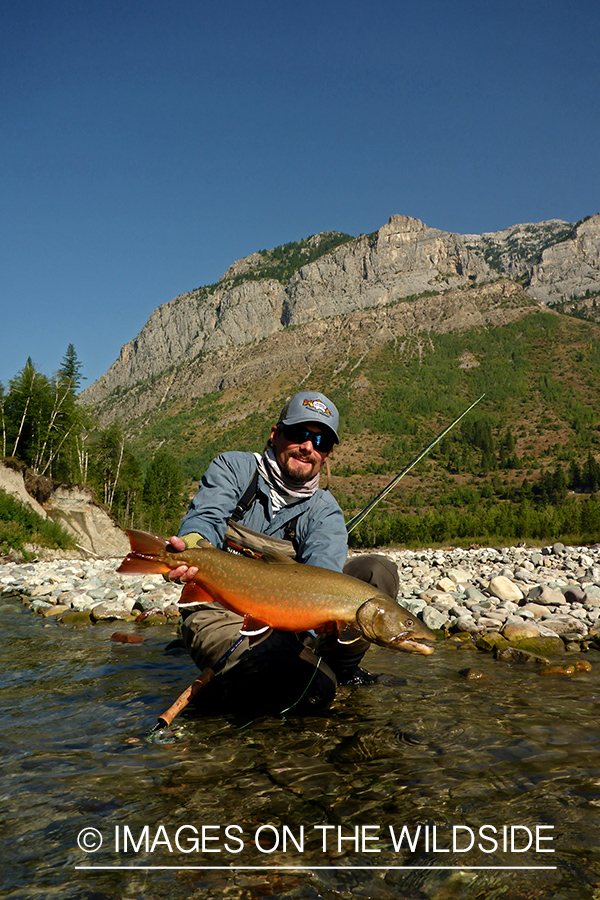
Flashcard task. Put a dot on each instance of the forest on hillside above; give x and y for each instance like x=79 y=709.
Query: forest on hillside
x=48 y=435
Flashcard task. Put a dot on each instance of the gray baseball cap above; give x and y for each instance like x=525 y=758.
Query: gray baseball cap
x=310 y=406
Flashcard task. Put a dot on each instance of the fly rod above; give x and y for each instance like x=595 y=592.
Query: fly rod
x=190 y=692
x=353 y=523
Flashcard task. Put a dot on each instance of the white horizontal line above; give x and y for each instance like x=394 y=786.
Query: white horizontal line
x=313 y=868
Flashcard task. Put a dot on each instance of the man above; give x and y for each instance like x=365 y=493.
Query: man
x=276 y=495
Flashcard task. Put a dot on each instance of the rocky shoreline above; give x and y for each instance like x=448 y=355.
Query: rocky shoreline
x=535 y=602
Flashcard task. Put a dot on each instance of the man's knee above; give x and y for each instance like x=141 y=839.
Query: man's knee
x=375 y=569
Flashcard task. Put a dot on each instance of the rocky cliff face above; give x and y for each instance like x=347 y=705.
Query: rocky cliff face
x=571 y=268
x=291 y=354
x=405 y=258
x=95 y=532
x=516 y=250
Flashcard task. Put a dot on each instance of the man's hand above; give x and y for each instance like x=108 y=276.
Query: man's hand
x=183 y=573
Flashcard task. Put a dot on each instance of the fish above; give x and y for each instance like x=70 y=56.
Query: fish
x=277 y=592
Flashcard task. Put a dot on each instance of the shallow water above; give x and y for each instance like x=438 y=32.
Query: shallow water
x=303 y=808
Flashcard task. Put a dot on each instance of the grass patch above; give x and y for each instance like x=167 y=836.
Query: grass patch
x=20 y=525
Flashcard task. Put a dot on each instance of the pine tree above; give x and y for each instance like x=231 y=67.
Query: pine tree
x=70 y=369
x=24 y=410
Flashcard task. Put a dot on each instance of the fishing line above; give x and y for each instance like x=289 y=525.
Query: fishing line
x=355 y=522
x=303 y=694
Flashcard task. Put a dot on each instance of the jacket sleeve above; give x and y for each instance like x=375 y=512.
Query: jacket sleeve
x=218 y=493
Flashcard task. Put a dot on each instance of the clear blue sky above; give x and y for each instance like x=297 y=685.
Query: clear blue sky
x=147 y=145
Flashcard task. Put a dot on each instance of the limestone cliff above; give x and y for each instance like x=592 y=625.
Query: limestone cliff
x=404 y=259
x=571 y=268
x=291 y=354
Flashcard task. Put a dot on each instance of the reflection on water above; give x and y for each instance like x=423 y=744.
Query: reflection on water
x=381 y=798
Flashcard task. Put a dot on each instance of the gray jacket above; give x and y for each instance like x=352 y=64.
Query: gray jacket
x=321 y=536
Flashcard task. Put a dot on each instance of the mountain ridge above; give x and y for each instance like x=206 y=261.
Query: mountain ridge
x=209 y=366
x=405 y=258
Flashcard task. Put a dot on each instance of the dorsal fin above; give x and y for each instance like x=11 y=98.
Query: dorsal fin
x=275 y=557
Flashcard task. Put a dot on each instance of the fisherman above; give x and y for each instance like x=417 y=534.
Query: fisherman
x=248 y=502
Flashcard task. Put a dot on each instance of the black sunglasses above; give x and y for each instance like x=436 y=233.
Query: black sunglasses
x=298 y=434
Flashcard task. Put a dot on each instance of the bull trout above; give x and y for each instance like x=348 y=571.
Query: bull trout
x=275 y=591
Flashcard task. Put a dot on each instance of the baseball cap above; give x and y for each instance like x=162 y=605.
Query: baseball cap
x=310 y=406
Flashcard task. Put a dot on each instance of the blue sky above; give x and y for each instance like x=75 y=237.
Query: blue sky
x=147 y=145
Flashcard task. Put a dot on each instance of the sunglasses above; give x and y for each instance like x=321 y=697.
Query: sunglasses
x=298 y=434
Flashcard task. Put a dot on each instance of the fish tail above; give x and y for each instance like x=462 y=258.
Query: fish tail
x=146 y=555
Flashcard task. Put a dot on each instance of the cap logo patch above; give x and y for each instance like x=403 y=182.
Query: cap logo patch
x=317 y=406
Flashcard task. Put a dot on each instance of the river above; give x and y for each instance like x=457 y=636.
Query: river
x=425 y=785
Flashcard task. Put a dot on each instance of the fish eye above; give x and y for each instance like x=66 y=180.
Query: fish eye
x=410 y=622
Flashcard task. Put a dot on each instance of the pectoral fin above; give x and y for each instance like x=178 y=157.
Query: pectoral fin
x=347 y=635
x=194 y=593
x=252 y=627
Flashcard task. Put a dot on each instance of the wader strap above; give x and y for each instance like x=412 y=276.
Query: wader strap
x=290 y=530
x=247 y=498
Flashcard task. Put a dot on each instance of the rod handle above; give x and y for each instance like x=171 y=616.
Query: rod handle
x=182 y=701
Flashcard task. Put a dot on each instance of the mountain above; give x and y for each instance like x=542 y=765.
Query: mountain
x=403 y=329
x=186 y=343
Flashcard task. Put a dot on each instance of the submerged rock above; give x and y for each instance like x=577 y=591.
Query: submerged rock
x=558 y=671
x=75 y=617
x=519 y=655
x=125 y=637
x=473 y=674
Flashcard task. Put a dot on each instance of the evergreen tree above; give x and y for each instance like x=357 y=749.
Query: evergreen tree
x=575 y=480
x=162 y=493
x=590 y=474
x=70 y=369
x=559 y=485
x=25 y=409
x=42 y=422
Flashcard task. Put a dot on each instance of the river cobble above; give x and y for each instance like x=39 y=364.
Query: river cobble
x=520 y=592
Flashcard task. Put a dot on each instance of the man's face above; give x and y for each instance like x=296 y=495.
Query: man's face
x=299 y=461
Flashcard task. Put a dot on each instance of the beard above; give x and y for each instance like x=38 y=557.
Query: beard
x=299 y=467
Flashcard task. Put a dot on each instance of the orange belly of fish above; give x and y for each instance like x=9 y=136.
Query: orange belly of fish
x=297 y=614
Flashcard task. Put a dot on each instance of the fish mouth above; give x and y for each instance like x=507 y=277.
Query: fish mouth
x=410 y=645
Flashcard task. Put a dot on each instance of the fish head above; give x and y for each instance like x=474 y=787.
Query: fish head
x=383 y=621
